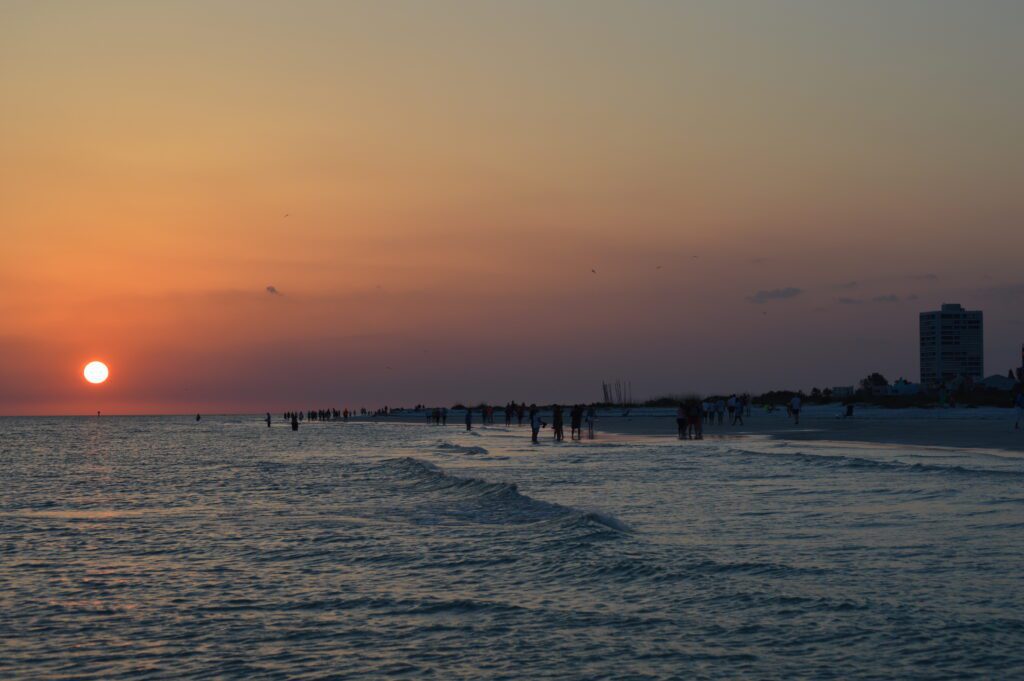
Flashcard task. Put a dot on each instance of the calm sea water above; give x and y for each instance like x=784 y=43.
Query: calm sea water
x=162 y=547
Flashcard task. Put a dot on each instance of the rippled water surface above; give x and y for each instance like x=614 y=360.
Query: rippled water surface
x=162 y=547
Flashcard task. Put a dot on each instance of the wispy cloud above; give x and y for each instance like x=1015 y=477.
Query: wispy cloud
x=272 y=290
x=774 y=294
x=849 y=301
x=887 y=298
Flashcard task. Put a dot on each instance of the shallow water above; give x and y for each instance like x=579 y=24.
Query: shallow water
x=160 y=547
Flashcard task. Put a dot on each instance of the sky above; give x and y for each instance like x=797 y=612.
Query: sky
x=252 y=206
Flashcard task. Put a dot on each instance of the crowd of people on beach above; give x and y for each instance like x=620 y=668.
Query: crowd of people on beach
x=692 y=415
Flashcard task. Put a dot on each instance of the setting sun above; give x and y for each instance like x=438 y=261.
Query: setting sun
x=96 y=372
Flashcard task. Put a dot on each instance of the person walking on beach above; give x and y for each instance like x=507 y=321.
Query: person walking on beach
x=469 y=419
x=268 y=419
x=681 y=421
x=794 y=406
x=1019 y=403
x=557 y=424
x=295 y=421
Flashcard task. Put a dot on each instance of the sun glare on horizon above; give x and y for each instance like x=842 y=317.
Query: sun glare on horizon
x=96 y=372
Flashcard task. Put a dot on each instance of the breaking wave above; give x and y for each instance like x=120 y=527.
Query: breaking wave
x=453 y=497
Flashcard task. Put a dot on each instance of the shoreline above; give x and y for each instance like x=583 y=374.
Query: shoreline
x=982 y=434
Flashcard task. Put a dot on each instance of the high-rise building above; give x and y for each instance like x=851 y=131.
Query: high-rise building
x=952 y=344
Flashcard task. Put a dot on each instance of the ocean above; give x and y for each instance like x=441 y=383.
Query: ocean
x=161 y=547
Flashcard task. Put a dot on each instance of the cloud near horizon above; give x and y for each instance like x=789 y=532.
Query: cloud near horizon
x=774 y=294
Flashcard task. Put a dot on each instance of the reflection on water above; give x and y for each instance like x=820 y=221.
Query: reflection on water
x=166 y=547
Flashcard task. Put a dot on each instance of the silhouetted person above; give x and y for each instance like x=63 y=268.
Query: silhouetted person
x=295 y=421
x=681 y=421
x=469 y=419
x=591 y=417
x=198 y=417
x=268 y=419
x=444 y=416
x=694 y=420
x=576 y=423
x=794 y=406
x=535 y=423
x=557 y=424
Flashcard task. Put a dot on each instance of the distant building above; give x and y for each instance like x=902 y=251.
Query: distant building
x=999 y=382
x=904 y=387
x=952 y=344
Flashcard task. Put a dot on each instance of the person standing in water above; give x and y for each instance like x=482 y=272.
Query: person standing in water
x=295 y=421
x=576 y=423
x=681 y=421
x=535 y=423
x=794 y=407
x=268 y=419
x=557 y=425
x=590 y=422
x=696 y=420
x=469 y=419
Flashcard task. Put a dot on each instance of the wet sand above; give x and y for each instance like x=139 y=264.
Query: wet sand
x=960 y=433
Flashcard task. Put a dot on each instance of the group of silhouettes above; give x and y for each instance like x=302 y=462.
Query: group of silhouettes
x=331 y=414
x=579 y=415
x=693 y=414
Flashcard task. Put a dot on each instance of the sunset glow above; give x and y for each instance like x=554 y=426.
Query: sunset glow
x=278 y=205
x=96 y=372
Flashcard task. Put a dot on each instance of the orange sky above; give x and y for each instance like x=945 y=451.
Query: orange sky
x=452 y=171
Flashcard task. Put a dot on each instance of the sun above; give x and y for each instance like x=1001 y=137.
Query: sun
x=96 y=372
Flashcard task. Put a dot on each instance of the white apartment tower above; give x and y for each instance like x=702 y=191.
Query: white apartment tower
x=952 y=344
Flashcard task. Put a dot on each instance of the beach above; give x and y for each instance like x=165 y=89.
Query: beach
x=961 y=428
x=165 y=547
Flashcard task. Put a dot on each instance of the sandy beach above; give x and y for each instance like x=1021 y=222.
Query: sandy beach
x=957 y=428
